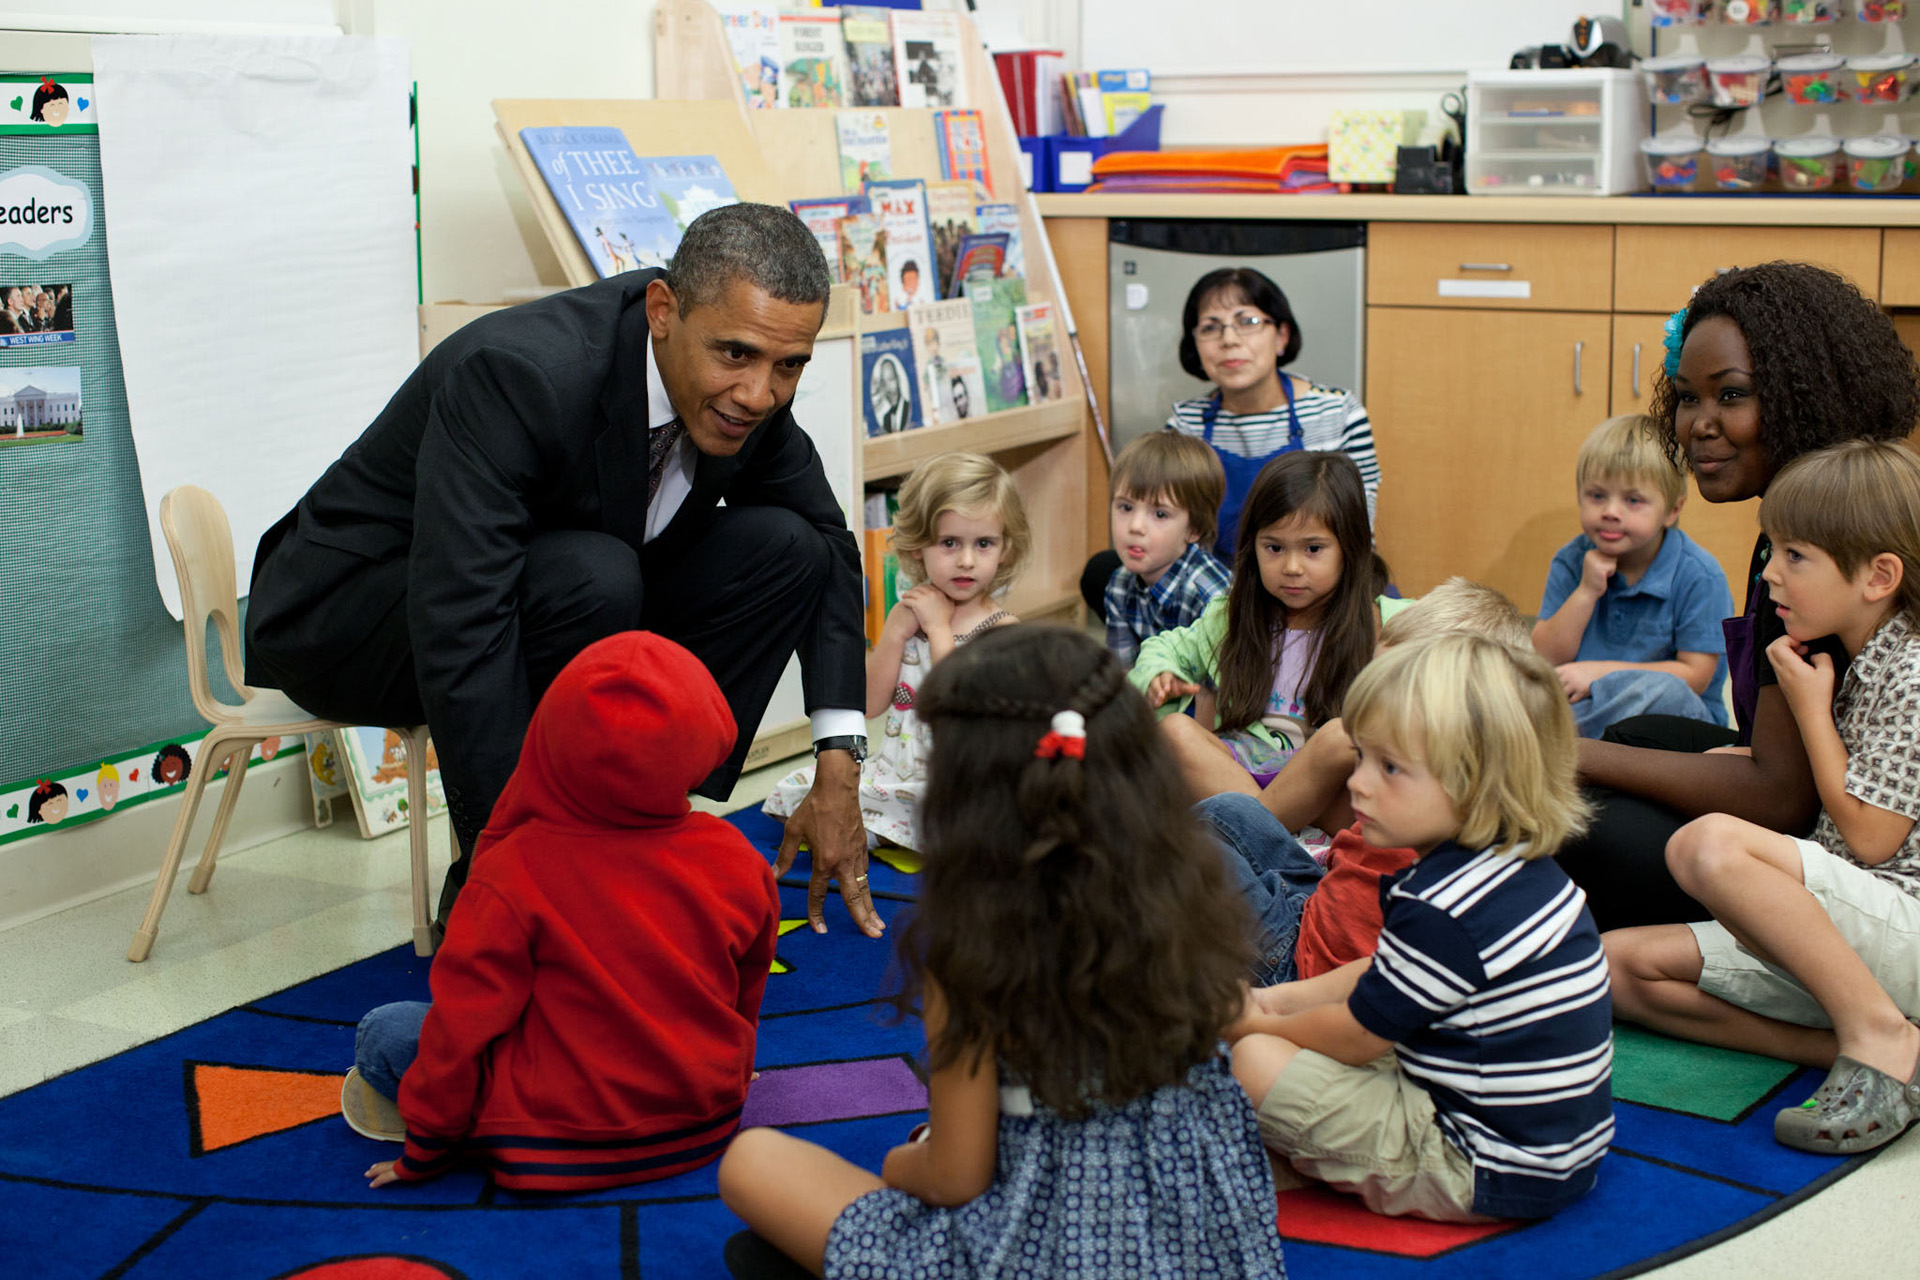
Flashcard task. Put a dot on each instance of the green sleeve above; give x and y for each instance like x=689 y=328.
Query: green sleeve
x=1191 y=652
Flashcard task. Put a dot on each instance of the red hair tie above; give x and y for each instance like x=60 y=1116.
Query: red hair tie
x=44 y=786
x=1066 y=737
x=46 y=82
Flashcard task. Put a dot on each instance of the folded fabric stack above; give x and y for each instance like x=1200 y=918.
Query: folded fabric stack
x=1257 y=170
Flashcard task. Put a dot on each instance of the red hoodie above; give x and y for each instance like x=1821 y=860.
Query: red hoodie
x=595 y=1001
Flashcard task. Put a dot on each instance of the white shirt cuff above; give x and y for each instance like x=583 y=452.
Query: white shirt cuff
x=835 y=722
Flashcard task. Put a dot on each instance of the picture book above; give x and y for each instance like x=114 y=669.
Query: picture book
x=754 y=34
x=889 y=396
x=951 y=389
x=962 y=141
x=926 y=57
x=951 y=217
x=866 y=152
x=1005 y=217
x=376 y=768
x=878 y=560
x=982 y=255
x=688 y=186
x=1124 y=97
x=996 y=336
x=813 y=61
x=607 y=196
x=901 y=206
x=863 y=260
x=868 y=32
x=823 y=219
x=1039 y=354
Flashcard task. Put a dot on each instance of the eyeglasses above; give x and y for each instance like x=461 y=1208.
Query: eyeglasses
x=1243 y=325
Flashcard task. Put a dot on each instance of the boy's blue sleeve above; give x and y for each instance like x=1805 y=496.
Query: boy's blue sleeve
x=1701 y=600
x=1563 y=575
x=1425 y=968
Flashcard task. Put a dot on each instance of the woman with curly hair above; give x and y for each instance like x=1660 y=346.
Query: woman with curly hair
x=1765 y=364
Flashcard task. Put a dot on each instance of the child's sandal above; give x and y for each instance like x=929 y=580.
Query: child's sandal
x=1857 y=1108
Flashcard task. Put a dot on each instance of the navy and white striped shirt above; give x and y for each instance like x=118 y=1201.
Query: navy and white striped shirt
x=1491 y=983
x=1331 y=420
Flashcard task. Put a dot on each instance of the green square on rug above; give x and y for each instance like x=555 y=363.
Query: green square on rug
x=1696 y=1079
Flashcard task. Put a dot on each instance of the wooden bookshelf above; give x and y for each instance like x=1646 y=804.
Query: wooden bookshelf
x=992 y=433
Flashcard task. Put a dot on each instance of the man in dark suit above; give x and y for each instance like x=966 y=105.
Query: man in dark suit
x=550 y=475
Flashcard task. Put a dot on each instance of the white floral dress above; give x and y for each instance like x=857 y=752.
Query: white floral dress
x=895 y=771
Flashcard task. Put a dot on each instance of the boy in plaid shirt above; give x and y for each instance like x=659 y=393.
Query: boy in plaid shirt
x=1167 y=489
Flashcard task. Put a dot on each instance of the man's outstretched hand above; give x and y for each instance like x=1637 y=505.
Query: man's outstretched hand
x=828 y=823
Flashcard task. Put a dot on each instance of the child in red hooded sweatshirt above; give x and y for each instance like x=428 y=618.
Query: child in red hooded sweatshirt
x=595 y=1001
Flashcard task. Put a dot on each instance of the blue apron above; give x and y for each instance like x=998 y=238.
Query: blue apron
x=1241 y=471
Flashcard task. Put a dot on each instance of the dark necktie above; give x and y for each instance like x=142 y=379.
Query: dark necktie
x=660 y=442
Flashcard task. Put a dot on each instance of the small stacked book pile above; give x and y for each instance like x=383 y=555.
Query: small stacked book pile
x=1257 y=170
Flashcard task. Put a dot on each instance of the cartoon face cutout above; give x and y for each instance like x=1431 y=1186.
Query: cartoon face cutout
x=172 y=765
x=107 y=786
x=269 y=748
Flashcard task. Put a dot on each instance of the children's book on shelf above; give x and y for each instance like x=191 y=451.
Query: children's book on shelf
x=962 y=142
x=754 y=35
x=1039 y=354
x=880 y=563
x=983 y=254
x=1124 y=97
x=901 y=206
x=866 y=149
x=951 y=217
x=951 y=389
x=996 y=336
x=1005 y=218
x=607 y=195
x=868 y=31
x=688 y=186
x=823 y=217
x=376 y=768
x=863 y=260
x=813 y=60
x=889 y=395
x=926 y=58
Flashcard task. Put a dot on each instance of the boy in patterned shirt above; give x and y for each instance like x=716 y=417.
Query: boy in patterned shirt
x=1813 y=953
x=1167 y=489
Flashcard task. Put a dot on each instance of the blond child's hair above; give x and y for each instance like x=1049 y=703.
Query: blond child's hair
x=973 y=485
x=1459 y=605
x=1854 y=501
x=1492 y=725
x=1628 y=448
x=1181 y=469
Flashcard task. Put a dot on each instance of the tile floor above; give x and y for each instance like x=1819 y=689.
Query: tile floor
x=306 y=904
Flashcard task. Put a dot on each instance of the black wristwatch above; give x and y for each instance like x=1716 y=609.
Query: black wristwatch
x=854 y=743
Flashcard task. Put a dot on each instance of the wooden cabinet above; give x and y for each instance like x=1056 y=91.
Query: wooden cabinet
x=1497 y=265
x=1900 y=267
x=1656 y=268
x=1478 y=416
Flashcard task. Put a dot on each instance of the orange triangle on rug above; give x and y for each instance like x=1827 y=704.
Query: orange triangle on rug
x=227 y=1105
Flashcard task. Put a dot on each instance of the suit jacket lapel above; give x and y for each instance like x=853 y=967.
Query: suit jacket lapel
x=621 y=447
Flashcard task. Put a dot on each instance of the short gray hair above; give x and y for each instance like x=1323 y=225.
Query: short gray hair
x=762 y=244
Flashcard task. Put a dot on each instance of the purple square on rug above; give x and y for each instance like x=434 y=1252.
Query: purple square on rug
x=833 y=1091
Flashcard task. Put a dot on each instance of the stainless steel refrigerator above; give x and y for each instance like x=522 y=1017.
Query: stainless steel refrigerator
x=1320 y=266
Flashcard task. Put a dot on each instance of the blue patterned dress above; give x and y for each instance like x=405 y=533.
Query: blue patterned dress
x=1172 y=1184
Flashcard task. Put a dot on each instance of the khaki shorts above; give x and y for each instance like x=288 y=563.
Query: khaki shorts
x=1371 y=1131
x=1878 y=919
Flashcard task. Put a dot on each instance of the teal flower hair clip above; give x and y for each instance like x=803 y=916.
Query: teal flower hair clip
x=1676 y=325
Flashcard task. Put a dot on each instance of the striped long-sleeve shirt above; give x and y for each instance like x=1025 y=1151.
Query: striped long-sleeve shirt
x=1331 y=420
x=1491 y=982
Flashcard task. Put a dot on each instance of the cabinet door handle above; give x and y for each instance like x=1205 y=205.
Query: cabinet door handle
x=1486 y=266
x=1578 y=349
x=1636 y=371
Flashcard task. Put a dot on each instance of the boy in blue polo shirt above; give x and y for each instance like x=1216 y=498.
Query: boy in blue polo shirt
x=1632 y=611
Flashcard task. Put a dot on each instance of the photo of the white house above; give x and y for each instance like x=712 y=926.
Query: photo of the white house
x=39 y=404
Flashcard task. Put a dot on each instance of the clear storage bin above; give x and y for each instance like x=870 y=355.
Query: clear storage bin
x=1739 y=81
x=1878 y=163
x=1814 y=79
x=1673 y=163
x=1675 y=78
x=1747 y=13
x=1809 y=163
x=1556 y=132
x=1879 y=78
x=1739 y=163
x=1804 y=13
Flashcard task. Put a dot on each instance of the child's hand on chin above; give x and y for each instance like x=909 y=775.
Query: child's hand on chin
x=381 y=1174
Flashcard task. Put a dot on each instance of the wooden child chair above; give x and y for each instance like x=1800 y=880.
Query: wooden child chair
x=201 y=542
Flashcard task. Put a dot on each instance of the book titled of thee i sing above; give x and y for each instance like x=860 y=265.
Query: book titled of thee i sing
x=607 y=195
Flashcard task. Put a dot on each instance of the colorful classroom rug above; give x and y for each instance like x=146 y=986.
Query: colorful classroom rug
x=218 y=1151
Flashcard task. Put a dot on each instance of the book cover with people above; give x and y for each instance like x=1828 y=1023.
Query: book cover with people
x=926 y=57
x=822 y=217
x=1005 y=218
x=688 y=186
x=962 y=142
x=868 y=31
x=951 y=219
x=1039 y=354
x=889 y=393
x=980 y=256
x=997 y=338
x=754 y=35
x=607 y=195
x=863 y=260
x=813 y=60
x=866 y=149
x=901 y=206
x=951 y=389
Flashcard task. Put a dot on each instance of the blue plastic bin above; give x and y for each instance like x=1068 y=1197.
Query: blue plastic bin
x=1062 y=161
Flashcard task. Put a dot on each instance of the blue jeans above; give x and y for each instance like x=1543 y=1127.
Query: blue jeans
x=1621 y=694
x=386 y=1042
x=1273 y=872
